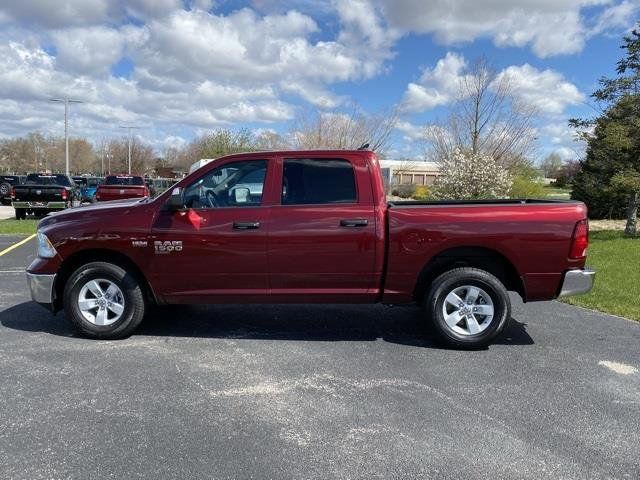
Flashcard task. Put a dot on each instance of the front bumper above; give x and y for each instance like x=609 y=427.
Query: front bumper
x=577 y=282
x=41 y=287
x=38 y=205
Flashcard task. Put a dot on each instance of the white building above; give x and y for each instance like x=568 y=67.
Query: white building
x=409 y=172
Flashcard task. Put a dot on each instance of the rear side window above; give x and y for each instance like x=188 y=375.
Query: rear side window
x=313 y=182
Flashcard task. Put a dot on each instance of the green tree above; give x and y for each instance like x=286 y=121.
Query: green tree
x=613 y=138
x=628 y=183
x=551 y=165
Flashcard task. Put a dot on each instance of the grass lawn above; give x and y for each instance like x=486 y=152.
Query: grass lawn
x=552 y=192
x=616 y=259
x=13 y=226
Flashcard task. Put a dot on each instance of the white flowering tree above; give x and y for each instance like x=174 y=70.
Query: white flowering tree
x=467 y=175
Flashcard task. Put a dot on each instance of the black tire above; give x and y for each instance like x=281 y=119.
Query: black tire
x=134 y=301
x=21 y=214
x=458 y=278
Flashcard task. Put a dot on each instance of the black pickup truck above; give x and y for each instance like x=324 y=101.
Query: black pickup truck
x=7 y=182
x=43 y=193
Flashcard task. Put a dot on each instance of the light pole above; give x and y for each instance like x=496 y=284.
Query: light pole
x=129 y=127
x=66 y=101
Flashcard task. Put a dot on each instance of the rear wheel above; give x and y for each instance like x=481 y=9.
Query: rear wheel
x=469 y=307
x=21 y=214
x=104 y=301
x=5 y=189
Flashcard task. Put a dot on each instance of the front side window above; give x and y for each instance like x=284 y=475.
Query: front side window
x=314 y=182
x=237 y=184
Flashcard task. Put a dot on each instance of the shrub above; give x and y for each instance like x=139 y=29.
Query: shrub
x=422 y=193
x=466 y=175
x=403 y=191
x=523 y=187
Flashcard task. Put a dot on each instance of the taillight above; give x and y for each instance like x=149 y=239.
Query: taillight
x=63 y=193
x=580 y=240
x=13 y=193
x=146 y=191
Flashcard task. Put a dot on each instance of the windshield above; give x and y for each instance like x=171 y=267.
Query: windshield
x=35 y=178
x=123 y=180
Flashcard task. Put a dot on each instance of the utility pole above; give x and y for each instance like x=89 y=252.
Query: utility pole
x=66 y=101
x=129 y=127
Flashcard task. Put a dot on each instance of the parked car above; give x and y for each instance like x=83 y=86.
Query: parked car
x=118 y=187
x=7 y=182
x=42 y=193
x=88 y=187
x=159 y=185
x=318 y=231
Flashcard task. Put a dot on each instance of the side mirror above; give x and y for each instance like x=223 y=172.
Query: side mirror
x=175 y=201
x=242 y=195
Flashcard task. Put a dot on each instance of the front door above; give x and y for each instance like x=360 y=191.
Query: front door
x=215 y=249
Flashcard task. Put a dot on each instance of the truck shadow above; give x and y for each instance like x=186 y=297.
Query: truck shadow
x=401 y=325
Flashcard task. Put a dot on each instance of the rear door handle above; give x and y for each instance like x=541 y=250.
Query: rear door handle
x=354 y=222
x=246 y=225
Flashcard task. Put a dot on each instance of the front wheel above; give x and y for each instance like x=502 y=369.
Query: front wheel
x=104 y=301
x=469 y=307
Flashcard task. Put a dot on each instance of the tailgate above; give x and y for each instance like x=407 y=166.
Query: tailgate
x=115 y=192
x=37 y=193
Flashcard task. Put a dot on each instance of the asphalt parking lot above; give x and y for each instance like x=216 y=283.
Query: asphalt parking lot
x=314 y=392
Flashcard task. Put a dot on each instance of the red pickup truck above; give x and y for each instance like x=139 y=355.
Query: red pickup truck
x=313 y=226
x=118 y=187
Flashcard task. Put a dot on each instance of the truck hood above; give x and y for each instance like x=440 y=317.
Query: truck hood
x=93 y=211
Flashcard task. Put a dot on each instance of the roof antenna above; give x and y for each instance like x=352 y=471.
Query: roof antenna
x=364 y=146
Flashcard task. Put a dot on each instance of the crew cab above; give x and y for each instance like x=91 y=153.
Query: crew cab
x=118 y=187
x=43 y=193
x=307 y=227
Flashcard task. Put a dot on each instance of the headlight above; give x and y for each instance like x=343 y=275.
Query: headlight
x=45 y=249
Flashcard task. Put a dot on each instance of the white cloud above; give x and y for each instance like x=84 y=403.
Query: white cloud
x=622 y=15
x=547 y=90
x=551 y=27
x=437 y=86
x=88 y=50
x=61 y=13
x=411 y=132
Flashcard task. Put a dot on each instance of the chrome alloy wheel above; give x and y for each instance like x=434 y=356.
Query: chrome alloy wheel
x=101 y=302
x=467 y=310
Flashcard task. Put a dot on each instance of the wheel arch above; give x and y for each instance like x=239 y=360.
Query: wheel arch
x=483 y=258
x=82 y=257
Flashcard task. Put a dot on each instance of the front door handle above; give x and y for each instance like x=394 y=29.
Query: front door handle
x=354 y=222
x=246 y=225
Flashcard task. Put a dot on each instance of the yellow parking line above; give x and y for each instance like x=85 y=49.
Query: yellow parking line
x=16 y=245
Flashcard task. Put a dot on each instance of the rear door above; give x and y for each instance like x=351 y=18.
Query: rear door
x=322 y=234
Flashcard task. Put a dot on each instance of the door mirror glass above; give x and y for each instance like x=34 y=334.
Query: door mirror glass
x=241 y=195
x=175 y=201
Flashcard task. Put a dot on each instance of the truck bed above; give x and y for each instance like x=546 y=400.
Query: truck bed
x=534 y=235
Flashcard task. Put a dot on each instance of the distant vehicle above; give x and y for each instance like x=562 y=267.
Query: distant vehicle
x=159 y=185
x=88 y=187
x=7 y=182
x=200 y=163
x=118 y=187
x=320 y=231
x=43 y=193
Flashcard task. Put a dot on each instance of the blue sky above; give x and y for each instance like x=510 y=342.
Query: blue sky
x=179 y=68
